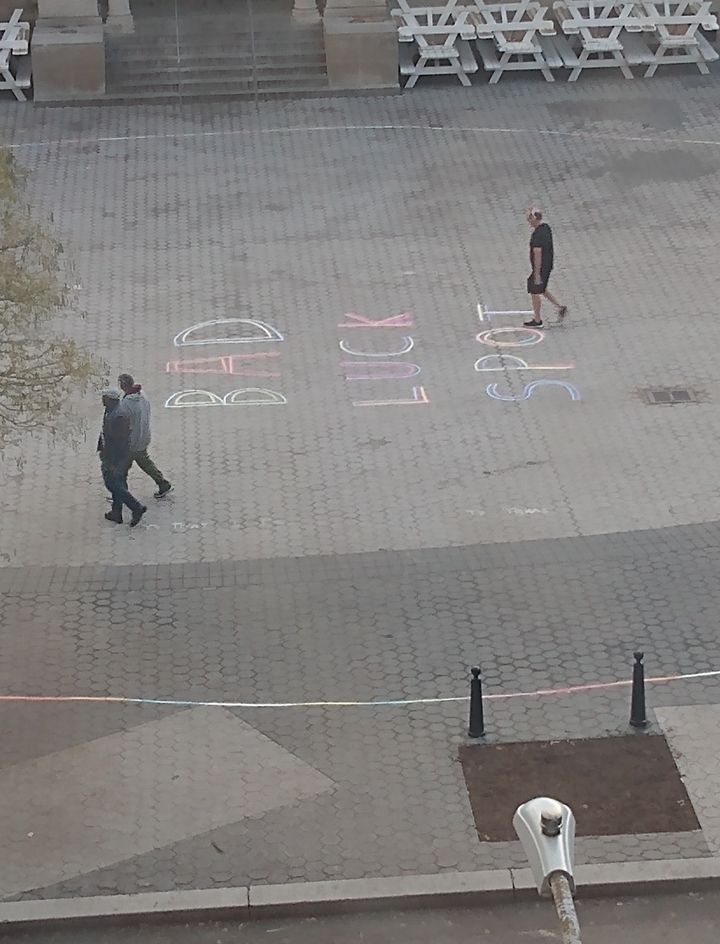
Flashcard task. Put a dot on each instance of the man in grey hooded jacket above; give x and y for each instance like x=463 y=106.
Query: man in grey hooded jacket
x=136 y=406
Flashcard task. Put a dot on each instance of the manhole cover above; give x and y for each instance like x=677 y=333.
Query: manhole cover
x=670 y=395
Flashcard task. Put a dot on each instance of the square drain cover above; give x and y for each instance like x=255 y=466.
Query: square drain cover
x=670 y=395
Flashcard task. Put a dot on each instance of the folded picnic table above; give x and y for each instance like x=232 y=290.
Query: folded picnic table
x=15 y=42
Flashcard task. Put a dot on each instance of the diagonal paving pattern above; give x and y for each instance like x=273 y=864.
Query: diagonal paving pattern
x=89 y=806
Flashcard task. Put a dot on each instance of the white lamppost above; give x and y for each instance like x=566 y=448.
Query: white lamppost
x=546 y=829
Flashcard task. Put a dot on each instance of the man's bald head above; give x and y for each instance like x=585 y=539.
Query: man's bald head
x=534 y=216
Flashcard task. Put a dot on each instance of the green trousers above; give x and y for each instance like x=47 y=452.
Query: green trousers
x=144 y=462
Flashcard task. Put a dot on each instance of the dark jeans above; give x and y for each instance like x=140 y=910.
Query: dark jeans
x=143 y=461
x=116 y=484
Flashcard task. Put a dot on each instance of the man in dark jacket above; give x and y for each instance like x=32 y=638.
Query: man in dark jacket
x=136 y=407
x=114 y=450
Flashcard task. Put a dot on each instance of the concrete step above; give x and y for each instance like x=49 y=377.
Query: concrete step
x=214 y=62
x=156 y=79
x=161 y=98
x=203 y=55
x=208 y=85
x=209 y=94
x=131 y=53
x=170 y=39
x=218 y=37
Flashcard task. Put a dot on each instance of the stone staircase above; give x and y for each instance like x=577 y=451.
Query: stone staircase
x=211 y=57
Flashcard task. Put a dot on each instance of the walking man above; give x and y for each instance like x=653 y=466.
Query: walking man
x=541 y=265
x=114 y=450
x=136 y=406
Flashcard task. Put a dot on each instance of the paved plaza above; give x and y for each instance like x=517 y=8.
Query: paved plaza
x=377 y=484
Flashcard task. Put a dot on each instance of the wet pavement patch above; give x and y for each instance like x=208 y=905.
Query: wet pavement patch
x=614 y=786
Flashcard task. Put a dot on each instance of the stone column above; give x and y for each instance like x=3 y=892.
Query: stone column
x=361 y=45
x=306 y=11
x=68 y=51
x=119 y=18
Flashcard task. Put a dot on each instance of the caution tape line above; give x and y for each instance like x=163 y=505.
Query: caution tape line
x=385 y=703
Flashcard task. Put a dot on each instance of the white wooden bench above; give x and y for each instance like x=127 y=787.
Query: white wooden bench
x=15 y=67
x=677 y=39
x=508 y=37
x=598 y=25
x=439 y=35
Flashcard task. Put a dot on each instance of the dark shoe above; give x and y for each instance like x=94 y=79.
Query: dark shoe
x=532 y=324
x=562 y=311
x=137 y=515
x=115 y=516
x=163 y=490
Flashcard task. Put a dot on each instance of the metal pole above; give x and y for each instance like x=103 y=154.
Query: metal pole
x=638 y=714
x=476 y=728
x=565 y=907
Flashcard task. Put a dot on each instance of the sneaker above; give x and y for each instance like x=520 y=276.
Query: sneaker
x=532 y=324
x=163 y=490
x=562 y=312
x=115 y=516
x=137 y=515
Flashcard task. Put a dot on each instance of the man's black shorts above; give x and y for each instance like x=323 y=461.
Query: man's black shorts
x=538 y=288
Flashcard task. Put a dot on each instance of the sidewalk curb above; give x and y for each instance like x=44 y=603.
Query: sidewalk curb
x=314 y=898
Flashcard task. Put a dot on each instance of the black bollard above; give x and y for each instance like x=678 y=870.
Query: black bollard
x=476 y=727
x=638 y=717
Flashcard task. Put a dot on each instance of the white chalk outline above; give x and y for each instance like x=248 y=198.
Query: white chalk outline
x=271 y=334
x=529 y=389
x=275 y=397
x=444 y=129
x=519 y=364
x=409 y=345
x=173 y=401
x=484 y=337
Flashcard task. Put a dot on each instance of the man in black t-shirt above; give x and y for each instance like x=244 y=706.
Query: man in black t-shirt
x=541 y=265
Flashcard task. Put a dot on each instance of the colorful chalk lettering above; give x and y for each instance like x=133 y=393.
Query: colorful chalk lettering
x=512 y=336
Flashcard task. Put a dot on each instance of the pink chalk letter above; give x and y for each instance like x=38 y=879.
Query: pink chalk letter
x=419 y=396
x=384 y=370
x=353 y=320
x=235 y=364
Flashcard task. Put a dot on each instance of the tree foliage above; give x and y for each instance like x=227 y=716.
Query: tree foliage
x=39 y=371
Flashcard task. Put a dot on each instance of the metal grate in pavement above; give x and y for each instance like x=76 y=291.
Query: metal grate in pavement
x=670 y=395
